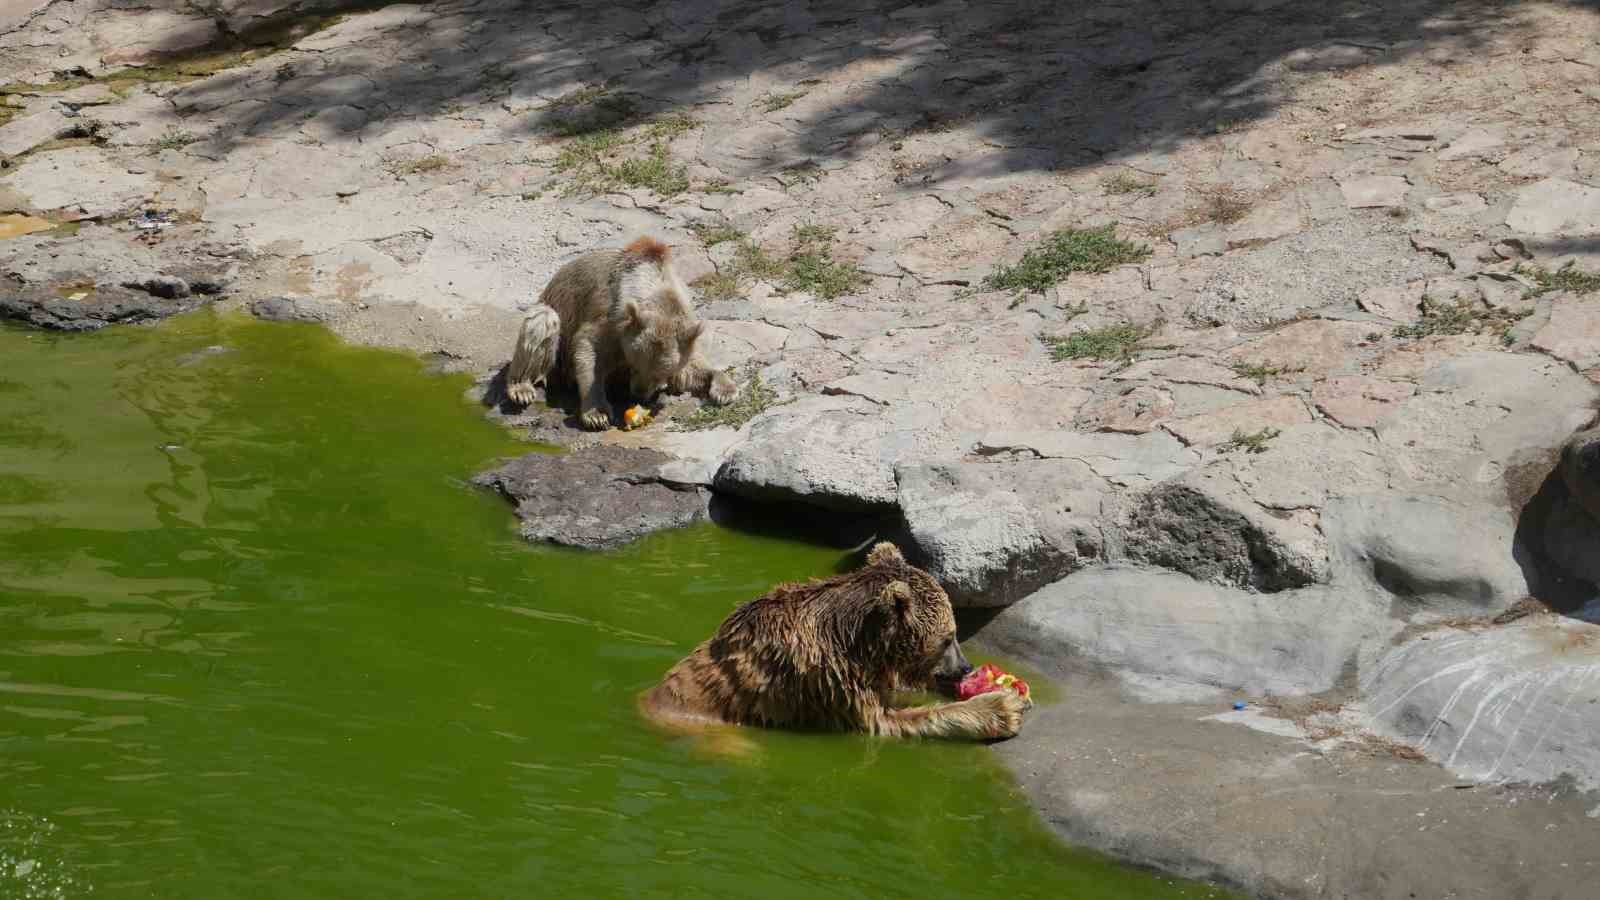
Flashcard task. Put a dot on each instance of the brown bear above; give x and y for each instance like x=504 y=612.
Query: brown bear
x=827 y=655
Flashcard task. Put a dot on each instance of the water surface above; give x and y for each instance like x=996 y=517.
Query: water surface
x=259 y=638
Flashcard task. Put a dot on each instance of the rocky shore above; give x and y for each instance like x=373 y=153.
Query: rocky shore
x=1242 y=349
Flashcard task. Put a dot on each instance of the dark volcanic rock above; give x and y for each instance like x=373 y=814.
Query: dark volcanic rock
x=100 y=306
x=596 y=498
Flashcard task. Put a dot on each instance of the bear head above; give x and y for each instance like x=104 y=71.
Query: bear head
x=910 y=627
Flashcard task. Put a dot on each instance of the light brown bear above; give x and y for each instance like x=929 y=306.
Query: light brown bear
x=827 y=655
x=613 y=313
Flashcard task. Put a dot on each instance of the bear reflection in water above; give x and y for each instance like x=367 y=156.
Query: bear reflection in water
x=828 y=655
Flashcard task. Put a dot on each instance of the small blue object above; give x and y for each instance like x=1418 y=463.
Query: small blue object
x=1238 y=704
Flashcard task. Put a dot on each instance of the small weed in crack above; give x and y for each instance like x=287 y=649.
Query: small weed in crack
x=1462 y=317
x=1566 y=278
x=1252 y=442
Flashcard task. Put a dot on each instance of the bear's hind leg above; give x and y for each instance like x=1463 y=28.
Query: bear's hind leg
x=535 y=353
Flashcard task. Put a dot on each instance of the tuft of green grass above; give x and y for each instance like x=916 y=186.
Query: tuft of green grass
x=657 y=172
x=1462 y=317
x=811 y=267
x=1224 y=205
x=1566 y=278
x=712 y=235
x=1113 y=343
x=755 y=399
x=1260 y=373
x=717 y=286
x=807 y=172
x=1125 y=182
x=421 y=165
x=669 y=126
x=1069 y=250
x=818 y=273
x=751 y=260
x=1253 y=442
x=814 y=234
x=772 y=102
x=580 y=97
x=586 y=151
x=172 y=139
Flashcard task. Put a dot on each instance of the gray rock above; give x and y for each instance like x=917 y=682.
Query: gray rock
x=1168 y=626
x=1512 y=703
x=169 y=287
x=1442 y=555
x=23 y=134
x=293 y=309
x=1205 y=525
x=111 y=304
x=839 y=458
x=596 y=498
x=1580 y=469
x=1556 y=206
x=994 y=532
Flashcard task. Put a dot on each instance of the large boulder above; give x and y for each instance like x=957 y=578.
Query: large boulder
x=1161 y=625
x=1517 y=702
x=992 y=532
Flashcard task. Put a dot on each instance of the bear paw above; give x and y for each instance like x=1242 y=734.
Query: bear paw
x=521 y=393
x=1000 y=713
x=723 y=390
x=596 y=419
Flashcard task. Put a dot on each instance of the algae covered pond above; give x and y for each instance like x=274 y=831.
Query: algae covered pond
x=258 y=637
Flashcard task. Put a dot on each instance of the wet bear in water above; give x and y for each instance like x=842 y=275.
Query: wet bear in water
x=828 y=654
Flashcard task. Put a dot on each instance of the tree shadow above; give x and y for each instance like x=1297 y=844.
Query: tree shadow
x=1041 y=85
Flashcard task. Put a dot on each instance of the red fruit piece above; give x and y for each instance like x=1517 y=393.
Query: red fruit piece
x=986 y=678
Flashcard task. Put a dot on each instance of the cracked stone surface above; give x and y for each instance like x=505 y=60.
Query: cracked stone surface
x=1304 y=176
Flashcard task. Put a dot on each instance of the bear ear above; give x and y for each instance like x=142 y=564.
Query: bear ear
x=633 y=318
x=884 y=553
x=896 y=595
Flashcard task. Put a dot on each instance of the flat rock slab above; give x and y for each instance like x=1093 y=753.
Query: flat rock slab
x=596 y=498
x=24 y=134
x=1359 y=401
x=82 y=181
x=1556 y=206
x=1573 y=333
x=1374 y=191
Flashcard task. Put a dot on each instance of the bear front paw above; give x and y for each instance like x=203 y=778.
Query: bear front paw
x=596 y=419
x=1001 y=713
x=521 y=393
x=723 y=390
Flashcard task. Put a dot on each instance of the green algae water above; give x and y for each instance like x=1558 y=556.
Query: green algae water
x=259 y=638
